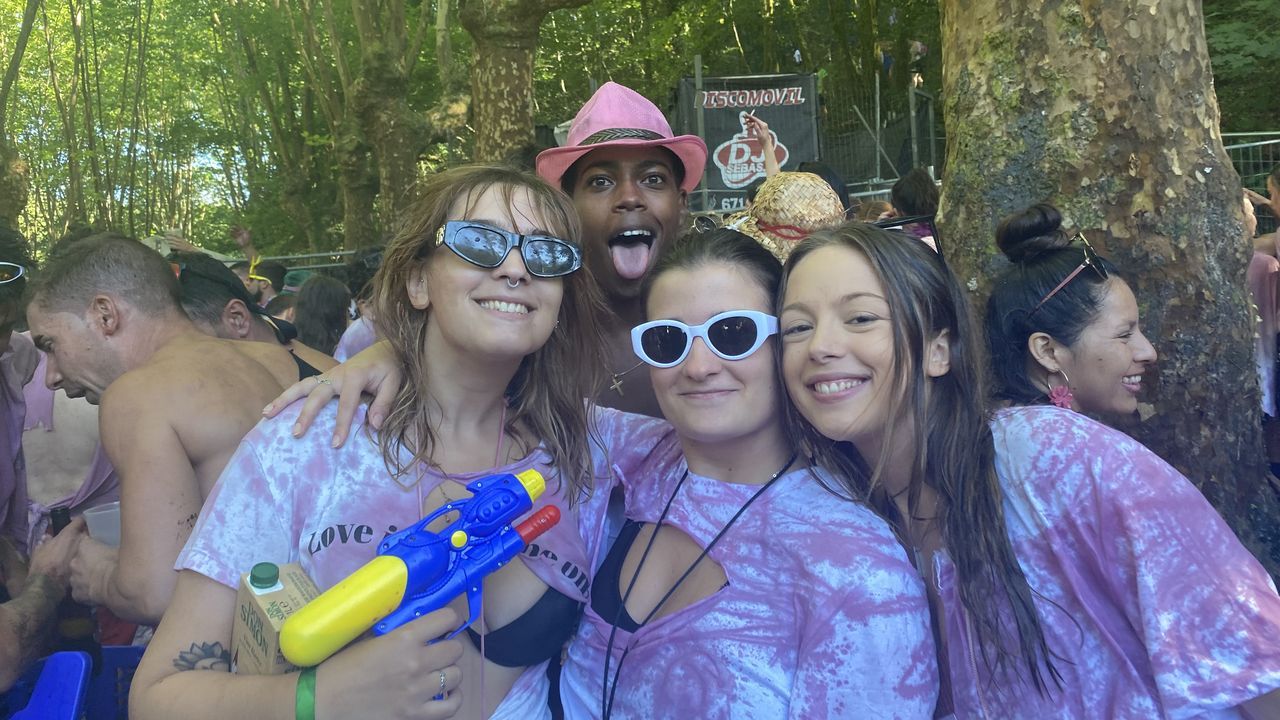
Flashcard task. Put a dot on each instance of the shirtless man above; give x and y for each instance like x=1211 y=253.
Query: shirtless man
x=174 y=404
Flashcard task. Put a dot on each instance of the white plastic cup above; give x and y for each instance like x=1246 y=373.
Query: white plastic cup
x=104 y=523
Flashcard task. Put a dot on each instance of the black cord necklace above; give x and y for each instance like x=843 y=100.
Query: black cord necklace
x=606 y=698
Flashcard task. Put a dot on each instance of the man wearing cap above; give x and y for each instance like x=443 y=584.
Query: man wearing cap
x=630 y=179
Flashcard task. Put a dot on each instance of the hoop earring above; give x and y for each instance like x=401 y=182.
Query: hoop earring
x=1061 y=396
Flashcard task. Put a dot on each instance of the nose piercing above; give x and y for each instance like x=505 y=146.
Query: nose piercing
x=515 y=284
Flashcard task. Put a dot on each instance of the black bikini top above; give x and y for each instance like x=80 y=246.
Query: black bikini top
x=606 y=597
x=537 y=635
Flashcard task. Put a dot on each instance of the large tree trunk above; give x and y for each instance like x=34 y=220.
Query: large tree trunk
x=14 y=176
x=506 y=35
x=1107 y=110
x=358 y=182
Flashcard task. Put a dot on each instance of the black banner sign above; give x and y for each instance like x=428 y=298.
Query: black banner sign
x=788 y=103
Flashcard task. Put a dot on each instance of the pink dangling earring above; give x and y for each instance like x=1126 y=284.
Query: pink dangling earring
x=1061 y=396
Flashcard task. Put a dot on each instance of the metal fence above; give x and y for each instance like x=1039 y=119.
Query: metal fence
x=1254 y=155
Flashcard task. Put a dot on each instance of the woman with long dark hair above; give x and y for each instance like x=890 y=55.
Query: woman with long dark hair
x=1073 y=573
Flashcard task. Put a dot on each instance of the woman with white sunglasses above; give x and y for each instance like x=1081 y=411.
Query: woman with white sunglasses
x=744 y=584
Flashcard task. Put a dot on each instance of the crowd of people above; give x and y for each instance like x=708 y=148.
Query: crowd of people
x=797 y=477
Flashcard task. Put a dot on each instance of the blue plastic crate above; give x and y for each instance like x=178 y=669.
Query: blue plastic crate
x=53 y=689
x=108 y=696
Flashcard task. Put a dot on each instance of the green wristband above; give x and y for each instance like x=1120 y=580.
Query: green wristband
x=304 y=699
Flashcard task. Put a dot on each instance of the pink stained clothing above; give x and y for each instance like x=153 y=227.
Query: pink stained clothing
x=17 y=366
x=1160 y=612
x=1263 y=275
x=822 y=617
x=282 y=499
x=358 y=336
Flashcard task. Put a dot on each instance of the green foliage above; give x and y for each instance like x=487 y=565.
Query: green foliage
x=223 y=124
x=1244 y=46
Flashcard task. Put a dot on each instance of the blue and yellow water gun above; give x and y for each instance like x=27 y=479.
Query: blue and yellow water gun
x=418 y=571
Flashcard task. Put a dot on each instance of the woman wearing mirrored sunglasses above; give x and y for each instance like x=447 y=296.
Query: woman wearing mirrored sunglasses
x=744 y=583
x=482 y=310
x=1073 y=573
x=1062 y=325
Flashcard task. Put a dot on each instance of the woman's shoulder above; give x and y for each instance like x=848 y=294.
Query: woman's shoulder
x=1059 y=432
x=273 y=443
x=1054 y=452
x=817 y=520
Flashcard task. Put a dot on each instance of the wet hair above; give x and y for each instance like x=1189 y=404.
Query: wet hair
x=828 y=173
x=955 y=450
x=207 y=286
x=915 y=194
x=718 y=246
x=106 y=262
x=320 y=312
x=544 y=396
x=14 y=249
x=1042 y=256
x=570 y=176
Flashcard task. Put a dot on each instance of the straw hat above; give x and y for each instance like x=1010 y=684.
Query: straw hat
x=789 y=206
x=617 y=115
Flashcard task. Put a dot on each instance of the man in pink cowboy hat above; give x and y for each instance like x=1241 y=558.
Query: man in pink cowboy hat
x=630 y=179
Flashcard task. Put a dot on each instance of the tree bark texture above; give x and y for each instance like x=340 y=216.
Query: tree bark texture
x=14 y=176
x=1107 y=110
x=506 y=35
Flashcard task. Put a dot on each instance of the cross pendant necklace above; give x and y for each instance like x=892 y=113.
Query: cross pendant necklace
x=616 y=385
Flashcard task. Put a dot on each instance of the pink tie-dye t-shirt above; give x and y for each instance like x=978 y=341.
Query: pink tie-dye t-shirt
x=1151 y=606
x=822 y=617
x=283 y=499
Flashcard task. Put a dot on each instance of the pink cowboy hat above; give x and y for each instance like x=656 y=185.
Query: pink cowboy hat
x=618 y=115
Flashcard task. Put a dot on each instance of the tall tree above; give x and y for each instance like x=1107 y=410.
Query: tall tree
x=506 y=36
x=1108 y=110
x=13 y=171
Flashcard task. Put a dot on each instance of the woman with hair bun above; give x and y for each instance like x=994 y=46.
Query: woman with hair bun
x=1062 y=325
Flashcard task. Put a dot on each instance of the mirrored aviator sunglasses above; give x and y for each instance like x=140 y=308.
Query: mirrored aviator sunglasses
x=487 y=246
x=10 y=272
x=732 y=335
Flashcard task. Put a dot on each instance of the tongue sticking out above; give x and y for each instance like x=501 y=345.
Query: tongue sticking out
x=630 y=261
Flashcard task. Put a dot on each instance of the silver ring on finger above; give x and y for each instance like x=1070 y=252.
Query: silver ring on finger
x=442 y=695
x=322 y=380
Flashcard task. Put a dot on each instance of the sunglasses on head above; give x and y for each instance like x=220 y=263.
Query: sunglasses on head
x=10 y=272
x=487 y=246
x=732 y=335
x=1091 y=260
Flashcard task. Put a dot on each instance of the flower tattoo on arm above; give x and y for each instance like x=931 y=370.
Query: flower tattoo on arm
x=204 y=656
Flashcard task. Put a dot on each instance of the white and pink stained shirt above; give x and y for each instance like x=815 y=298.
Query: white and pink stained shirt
x=822 y=616
x=283 y=499
x=1150 y=604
